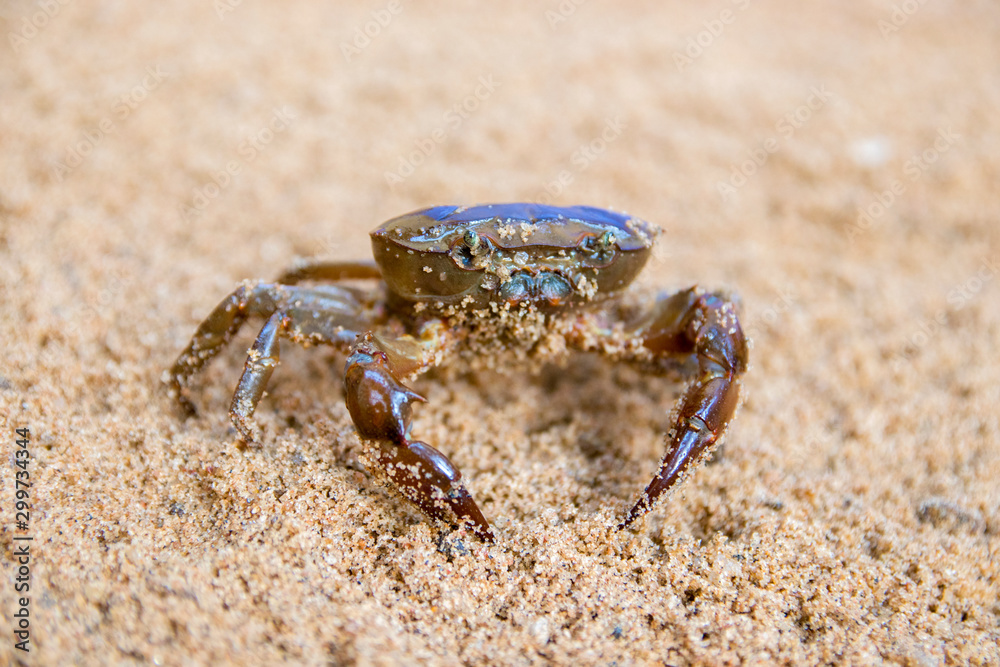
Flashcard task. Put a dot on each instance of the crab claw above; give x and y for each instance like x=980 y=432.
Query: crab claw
x=430 y=481
x=380 y=407
x=703 y=324
x=378 y=403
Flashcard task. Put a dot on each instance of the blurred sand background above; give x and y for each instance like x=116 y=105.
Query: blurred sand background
x=838 y=165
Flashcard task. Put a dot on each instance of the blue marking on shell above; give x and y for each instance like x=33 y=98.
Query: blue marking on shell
x=525 y=212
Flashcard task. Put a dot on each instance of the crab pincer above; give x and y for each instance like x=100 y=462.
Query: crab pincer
x=692 y=322
x=380 y=407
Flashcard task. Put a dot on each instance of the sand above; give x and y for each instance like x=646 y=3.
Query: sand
x=836 y=166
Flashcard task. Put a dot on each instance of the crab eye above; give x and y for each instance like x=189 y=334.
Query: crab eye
x=469 y=250
x=600 y=248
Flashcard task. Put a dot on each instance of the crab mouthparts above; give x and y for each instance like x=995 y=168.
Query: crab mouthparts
x=524 y=286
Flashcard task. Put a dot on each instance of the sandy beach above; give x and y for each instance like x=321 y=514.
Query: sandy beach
x=835 y=166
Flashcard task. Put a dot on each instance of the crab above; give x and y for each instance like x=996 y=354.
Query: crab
x=478 y=283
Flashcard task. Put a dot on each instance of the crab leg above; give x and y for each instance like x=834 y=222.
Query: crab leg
x=380 y=407
x=261 y=361
x=215 y=332
x=310 y=269
x=322 y=314
x=703 y=324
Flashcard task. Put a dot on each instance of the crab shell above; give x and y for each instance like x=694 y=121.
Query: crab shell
x=511 y=253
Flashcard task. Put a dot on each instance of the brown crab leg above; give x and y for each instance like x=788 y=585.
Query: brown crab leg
x=320 y=270
x=214 y=333
x=380 y=407
x=324 y=314
x=703 y=324
x=262 y=359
